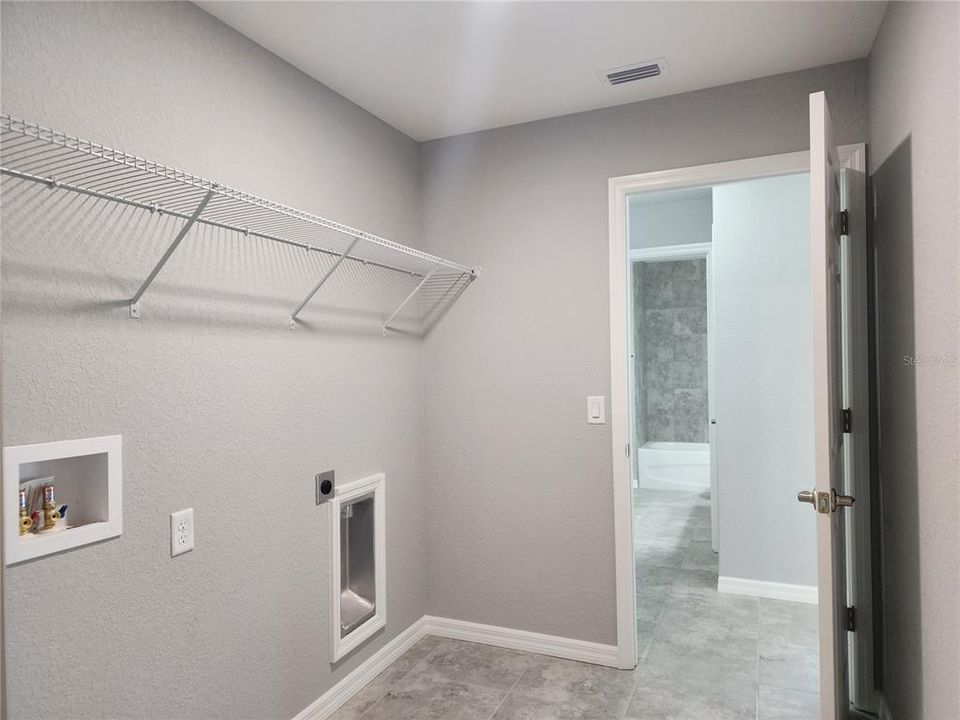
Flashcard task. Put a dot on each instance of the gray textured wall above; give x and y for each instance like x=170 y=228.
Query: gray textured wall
x=238 y=627
x=915 y=160
x=220 y=406
x=671 y=357
x=520 y=509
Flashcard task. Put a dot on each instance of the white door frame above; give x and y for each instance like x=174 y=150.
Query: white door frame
x=668 y=253
x=620 y=188
x=856 y=446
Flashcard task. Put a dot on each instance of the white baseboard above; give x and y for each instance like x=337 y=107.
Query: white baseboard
x=771 y=590
x=566 y=648
x=334 y=698
x=580 y=650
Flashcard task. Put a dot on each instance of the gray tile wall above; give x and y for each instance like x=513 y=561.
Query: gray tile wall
x=670 y=309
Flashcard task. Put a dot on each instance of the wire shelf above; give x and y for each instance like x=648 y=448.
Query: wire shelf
x=34 y=153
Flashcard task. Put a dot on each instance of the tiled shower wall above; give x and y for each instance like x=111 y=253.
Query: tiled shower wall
x=670 y=311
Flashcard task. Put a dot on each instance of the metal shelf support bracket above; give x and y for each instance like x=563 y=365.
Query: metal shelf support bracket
x=326 y=276
x=386 y=325
x=135 y=300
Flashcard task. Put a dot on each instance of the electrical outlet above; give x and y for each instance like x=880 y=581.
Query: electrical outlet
x=181 y=532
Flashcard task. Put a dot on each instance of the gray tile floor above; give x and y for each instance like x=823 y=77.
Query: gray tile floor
x=703 y=656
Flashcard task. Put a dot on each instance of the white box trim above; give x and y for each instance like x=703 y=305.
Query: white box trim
x=373 y=485
x=16 y=549
x=764 y=589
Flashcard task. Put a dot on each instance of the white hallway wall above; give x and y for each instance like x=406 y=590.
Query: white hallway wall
x=221 y=407
x=764 y=379
x=520 y=505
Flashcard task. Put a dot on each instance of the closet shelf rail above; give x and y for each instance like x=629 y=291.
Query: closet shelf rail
x=38 y=154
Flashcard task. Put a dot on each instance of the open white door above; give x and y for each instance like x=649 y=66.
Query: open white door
x=825 y=233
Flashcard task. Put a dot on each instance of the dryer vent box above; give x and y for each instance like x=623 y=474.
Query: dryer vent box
x=357 y=567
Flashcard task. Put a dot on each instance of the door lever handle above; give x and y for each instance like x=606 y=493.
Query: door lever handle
x=825 y=502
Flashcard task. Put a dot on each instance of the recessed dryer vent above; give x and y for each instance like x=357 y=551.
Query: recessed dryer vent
x=357 y=570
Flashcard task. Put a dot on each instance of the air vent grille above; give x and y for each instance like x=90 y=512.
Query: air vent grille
x=632 y=73
x=636 y=73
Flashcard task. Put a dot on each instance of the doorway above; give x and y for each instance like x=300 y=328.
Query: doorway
x=649 y=591
x=741 y=616
x=671 y=345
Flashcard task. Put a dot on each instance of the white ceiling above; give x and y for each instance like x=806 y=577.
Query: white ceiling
x=433 y=69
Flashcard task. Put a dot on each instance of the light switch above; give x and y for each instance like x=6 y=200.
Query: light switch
x=596 y=412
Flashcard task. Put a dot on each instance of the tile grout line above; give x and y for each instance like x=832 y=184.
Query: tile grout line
x=507 y=695
x=633 y=691
x=393 y=683
x=756 y=693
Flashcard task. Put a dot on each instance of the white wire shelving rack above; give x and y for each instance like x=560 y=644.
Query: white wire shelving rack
x=62 y=162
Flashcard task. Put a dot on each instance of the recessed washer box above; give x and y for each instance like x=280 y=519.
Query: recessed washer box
x=87 y=478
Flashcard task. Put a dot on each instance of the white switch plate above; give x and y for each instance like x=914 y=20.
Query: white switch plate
x=596 y=412
x=181 y=532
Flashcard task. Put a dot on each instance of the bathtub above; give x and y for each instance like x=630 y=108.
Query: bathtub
x=674 y=466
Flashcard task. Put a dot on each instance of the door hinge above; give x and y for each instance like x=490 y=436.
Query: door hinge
x=847 y=421
x=851 y=619
x=844 y=222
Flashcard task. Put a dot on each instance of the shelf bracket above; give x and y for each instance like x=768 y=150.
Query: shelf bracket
x=135 y=300
x=386 y=325
x=326 y=276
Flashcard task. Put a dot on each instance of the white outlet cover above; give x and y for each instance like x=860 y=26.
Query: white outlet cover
x=181 y=532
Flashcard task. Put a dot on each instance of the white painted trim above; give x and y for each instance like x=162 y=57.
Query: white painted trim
x=374 y=486
x=621 y=423
x=566 y=648
x=619 y=188
x=715 y=173
x=765 y=589
x=666 y=253
x=827 y=403
x=334 y=698
x=18 y=549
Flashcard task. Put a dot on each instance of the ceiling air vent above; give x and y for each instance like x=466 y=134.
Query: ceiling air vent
x=630 y=73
